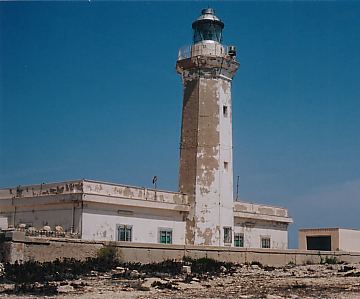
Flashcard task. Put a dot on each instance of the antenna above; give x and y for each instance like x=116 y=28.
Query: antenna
x=154 y=180
x=237 y=188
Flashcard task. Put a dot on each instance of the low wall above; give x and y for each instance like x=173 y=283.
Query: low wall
x=23 y=248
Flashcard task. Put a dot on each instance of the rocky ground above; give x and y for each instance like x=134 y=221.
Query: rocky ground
x=201 y=280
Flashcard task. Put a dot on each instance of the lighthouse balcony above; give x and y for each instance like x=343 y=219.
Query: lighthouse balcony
x=204 y=48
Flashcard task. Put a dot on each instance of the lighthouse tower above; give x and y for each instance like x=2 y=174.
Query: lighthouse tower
x=206 y=169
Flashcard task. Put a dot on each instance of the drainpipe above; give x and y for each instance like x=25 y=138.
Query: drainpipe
x=14 y=212
x=73 y=219
x=81 y=217
x=14 y=217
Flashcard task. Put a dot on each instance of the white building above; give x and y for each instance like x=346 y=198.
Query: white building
x=329 y=239
x=204 y=212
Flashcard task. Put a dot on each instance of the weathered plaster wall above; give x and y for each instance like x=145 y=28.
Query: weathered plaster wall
x=61 y=203
x=254 y=230
x=131 y=192
x=206 y=142
x=226 y=202
x=349 y=240
x=253 y=210
x=31 y=191
x=52 y=250
x=99 y=222
x=207 y=48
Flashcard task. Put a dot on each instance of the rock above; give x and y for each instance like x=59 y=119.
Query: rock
x=65 y=289
x=346 y=268
x=94 y=273
x=223 y=269
x=78 y=284
x=165 y=285
x=186 y=269
x=269 y=268
x=7 y=288
x=59 y=228
x=274 y=297
x=46 y=228
x=149 y=281
x=2 y=270
x=120 y=268
x=134 y=274
x=119 y=272
x=191 y=286
x=352 y=273
x=312 y=268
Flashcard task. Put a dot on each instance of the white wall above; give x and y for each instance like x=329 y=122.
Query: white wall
x=254 y=230
x=3 y=222
x=99 y=222
x=226 y=201
x=349 y=240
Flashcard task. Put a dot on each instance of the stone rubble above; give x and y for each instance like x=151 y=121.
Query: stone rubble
x=330 y=281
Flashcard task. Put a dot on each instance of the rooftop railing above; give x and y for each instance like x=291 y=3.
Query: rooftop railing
x=199 y=49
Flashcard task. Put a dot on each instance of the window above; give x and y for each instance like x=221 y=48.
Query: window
x=226 y=164
x=318 y=243
x=265 y=242
x=239 y=240
x=165 y=235
x=124 y=233
x=225 y=111
x=227 y=235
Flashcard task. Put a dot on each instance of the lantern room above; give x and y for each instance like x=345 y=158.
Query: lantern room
x=207 y=27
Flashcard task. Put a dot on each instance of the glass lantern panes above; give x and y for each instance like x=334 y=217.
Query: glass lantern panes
x=207 y=31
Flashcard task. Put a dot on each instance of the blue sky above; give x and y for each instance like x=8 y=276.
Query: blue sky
x=89 y=90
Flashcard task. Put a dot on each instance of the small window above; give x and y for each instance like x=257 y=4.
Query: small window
x=318 y=243
x=227 y=235
x=265 y=242
x=226 y=164
x=239 y=240
x=225 y=111
x=124 y=233
x=165 y=235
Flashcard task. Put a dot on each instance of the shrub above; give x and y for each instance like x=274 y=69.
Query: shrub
x=208 y=265
x=329 y=260
x=106 y=258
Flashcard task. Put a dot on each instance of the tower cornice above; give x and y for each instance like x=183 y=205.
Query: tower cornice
x=208 y=65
